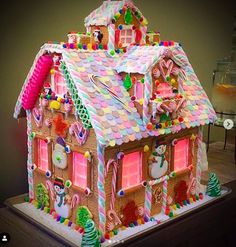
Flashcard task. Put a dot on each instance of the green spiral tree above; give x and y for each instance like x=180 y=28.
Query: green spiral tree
x=91 y=236
x=213 y=187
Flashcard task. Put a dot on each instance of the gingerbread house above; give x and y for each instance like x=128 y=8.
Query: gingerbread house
x=114 y=121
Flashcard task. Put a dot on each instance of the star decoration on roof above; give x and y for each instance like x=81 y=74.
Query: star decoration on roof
x=60 y=125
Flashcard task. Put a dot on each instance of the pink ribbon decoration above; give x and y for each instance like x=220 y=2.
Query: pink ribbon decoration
x=81 y=134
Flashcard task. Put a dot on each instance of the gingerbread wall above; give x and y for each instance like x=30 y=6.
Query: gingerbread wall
x=90 y=145
x=137 y=194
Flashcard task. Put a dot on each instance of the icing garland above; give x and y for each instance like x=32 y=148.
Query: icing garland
x=80 y=108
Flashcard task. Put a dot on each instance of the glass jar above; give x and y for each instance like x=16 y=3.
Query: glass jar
x=224 y=86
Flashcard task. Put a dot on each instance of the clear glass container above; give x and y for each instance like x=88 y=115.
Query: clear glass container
x=224 y=86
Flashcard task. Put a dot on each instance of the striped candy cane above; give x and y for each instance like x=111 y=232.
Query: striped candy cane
x=29 y=159
x=111 y=39
x=164 y=196
x=112 y=215
x=159 y=180
x=148 y=200
x=114 y=177
x=198 y=169
x=148 y=83
x=101 y=191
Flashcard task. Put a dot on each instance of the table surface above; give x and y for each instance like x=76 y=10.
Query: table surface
x=213 y=225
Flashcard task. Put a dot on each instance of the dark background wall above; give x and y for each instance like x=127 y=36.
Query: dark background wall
x=204 y=27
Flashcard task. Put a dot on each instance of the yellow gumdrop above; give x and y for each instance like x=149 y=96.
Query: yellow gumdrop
x=146 y=148
x=141 y=101
x=173 y=81
x=139 y=221
x=52 y=71
x=55 y=105
x=59 y=99
x=45 y=209
x=86 y=154
x=111 y=234
x=89 y=46
x=66 y=222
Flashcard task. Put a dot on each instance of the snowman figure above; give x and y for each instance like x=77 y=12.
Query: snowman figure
x=62 y=200
x=158 y=165
x=59 y=157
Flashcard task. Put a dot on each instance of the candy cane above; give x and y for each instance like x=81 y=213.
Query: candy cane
x=30 y=152
x=148 y=200
x=164 y=196
x=111 y=213
x=169 y=65
x=75 y=200
x=159 y=180
x=80 y=133
x=49 y=187
x=101 y=191
x=111 y=39
x=114 y=177
x=148 y=83
x=192 y=186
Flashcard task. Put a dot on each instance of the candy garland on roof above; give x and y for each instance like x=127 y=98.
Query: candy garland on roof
x=80 y=109
x=101 y=190
x=29 y=159
x=36 y=81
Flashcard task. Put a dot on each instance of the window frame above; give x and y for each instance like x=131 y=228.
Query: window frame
x=125 y=28
x=71 y=166
x=142 y=170
x=163 y=96
x=190 y=157
x=36 y=155
x=135 y=90
x=54 y=84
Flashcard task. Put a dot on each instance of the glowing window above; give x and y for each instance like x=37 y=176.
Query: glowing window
x=181 y=154
x=79 y=173
x=138 y=90
x=42 y=155
x=126 y=35
x=60 y=87
x=164 y=90
x=131 y=170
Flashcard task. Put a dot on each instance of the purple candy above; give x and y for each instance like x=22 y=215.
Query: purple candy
x=146 y=219
x=58 y=218
x=70 y=223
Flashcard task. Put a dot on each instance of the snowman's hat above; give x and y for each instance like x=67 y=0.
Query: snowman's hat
x=47 y=85
x=159 y=143
x=61 y=141
x=59 y=182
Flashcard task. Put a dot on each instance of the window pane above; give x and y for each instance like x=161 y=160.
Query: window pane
x=181 y=150
x=139 y=90
x=128 y=32
x=79 y=174
x=164 y=89
x=42 y=155
x=131 y=170
x=60 y=84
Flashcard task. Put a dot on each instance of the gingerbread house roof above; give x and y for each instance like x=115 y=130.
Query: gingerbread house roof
x=104 y=14
x=100 y=88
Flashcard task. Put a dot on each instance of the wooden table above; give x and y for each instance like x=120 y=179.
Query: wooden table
x=213 y=225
